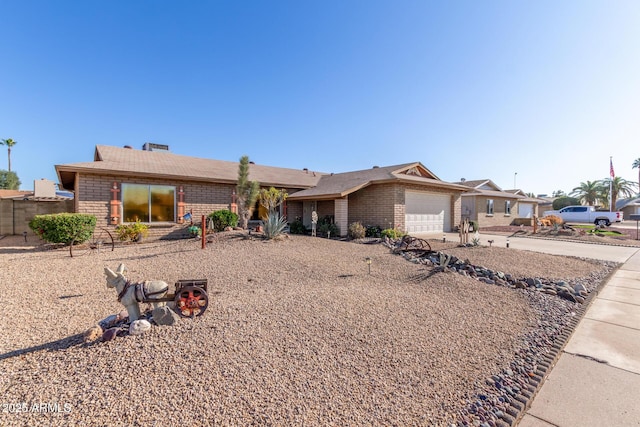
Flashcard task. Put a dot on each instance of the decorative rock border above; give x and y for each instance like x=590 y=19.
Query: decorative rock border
x=504 y=398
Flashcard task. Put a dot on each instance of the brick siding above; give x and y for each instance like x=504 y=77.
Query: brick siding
x=94 y=193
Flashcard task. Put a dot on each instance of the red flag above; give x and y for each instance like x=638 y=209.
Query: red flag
x=611 y=169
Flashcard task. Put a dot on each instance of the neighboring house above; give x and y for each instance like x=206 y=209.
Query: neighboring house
x=407 y=197
x=159 y=188
x=489 y=205
x=527 y=207
x=545 y=204
x=628 y=206
x=17 y=207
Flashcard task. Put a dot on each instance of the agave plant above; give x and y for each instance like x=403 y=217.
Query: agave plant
x=274 y=225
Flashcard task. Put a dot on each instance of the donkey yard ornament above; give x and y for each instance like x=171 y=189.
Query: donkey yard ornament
x=190 y=297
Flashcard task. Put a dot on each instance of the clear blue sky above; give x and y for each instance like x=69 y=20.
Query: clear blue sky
x=476 y=89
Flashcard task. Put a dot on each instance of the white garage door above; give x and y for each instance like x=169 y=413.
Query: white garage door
x=525 y=210
x=427 y=212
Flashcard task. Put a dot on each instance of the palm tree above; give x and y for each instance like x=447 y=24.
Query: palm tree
x=587 y=192
x=619 y=187
x=9 y=143
x=636 y=164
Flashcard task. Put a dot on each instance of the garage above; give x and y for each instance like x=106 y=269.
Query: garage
x=525 y=210
x=427 y=212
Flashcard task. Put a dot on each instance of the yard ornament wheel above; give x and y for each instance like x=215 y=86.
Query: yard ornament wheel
x=100 y=239
x=191 y=301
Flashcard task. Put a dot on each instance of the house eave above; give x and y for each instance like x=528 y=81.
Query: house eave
x=67 y=181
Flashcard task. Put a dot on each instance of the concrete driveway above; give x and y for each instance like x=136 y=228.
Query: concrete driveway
x=555 y=247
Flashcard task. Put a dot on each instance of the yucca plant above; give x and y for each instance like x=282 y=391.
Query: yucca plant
x=274 y=225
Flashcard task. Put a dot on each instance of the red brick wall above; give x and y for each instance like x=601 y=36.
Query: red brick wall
x=384 y=205
x=381 y=205
x=93 y=196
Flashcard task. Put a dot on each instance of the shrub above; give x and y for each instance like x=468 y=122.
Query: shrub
x=132 y=231
x=274 y=225
x=327 y=226
x=223 y=219
x=64 y=227
x=356 y=230
x=392 y=233
x=554 y=219
x=373 y=231
x=195 y=231
x=297 y=227
x=564 y=201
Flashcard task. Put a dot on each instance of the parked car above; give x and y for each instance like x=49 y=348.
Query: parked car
x=586 y=214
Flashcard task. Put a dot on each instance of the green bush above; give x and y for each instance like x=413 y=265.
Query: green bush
x=327 y=226
x=564 y=201
x=392 y=233
x=356 y=230
x=373 y=231
x=297 y=227
x=223 y=219
x=64 y=227
x=195 y=231
x=132 y=231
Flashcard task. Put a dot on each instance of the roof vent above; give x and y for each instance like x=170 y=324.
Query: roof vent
x=129 y=147
x=376 y=167
x=306 y=170
x=251 y=162
x=462 y=179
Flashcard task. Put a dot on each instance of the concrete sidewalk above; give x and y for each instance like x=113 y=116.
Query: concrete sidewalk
x=596 y=380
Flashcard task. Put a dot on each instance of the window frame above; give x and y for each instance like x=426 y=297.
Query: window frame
x=149 y=208
x=490 y=207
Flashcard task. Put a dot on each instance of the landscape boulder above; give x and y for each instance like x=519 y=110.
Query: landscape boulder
x=164 y=316
x=139 y=327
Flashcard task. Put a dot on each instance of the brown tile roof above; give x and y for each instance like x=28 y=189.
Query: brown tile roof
x=131 y=162
x=473 y=183
x=342 y=184
x=13 y=194
x=492 y=193
x=497 y=192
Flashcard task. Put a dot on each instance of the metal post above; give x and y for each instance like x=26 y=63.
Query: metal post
x=204 y=233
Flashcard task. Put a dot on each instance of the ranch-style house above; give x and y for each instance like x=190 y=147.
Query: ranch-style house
x=155 y=186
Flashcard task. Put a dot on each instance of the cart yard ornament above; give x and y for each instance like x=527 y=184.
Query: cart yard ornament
x=130 y=294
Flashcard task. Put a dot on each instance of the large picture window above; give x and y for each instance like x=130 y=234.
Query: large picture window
x=148 y=203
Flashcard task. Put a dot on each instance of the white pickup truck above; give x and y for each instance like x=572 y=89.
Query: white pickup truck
x=586 y=214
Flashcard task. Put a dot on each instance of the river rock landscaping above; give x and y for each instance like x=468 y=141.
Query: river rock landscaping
x=301 y=331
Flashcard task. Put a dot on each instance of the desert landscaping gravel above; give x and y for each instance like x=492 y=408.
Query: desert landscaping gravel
x=297 y=332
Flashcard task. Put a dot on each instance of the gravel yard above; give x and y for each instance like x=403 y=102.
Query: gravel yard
x=297 y=332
